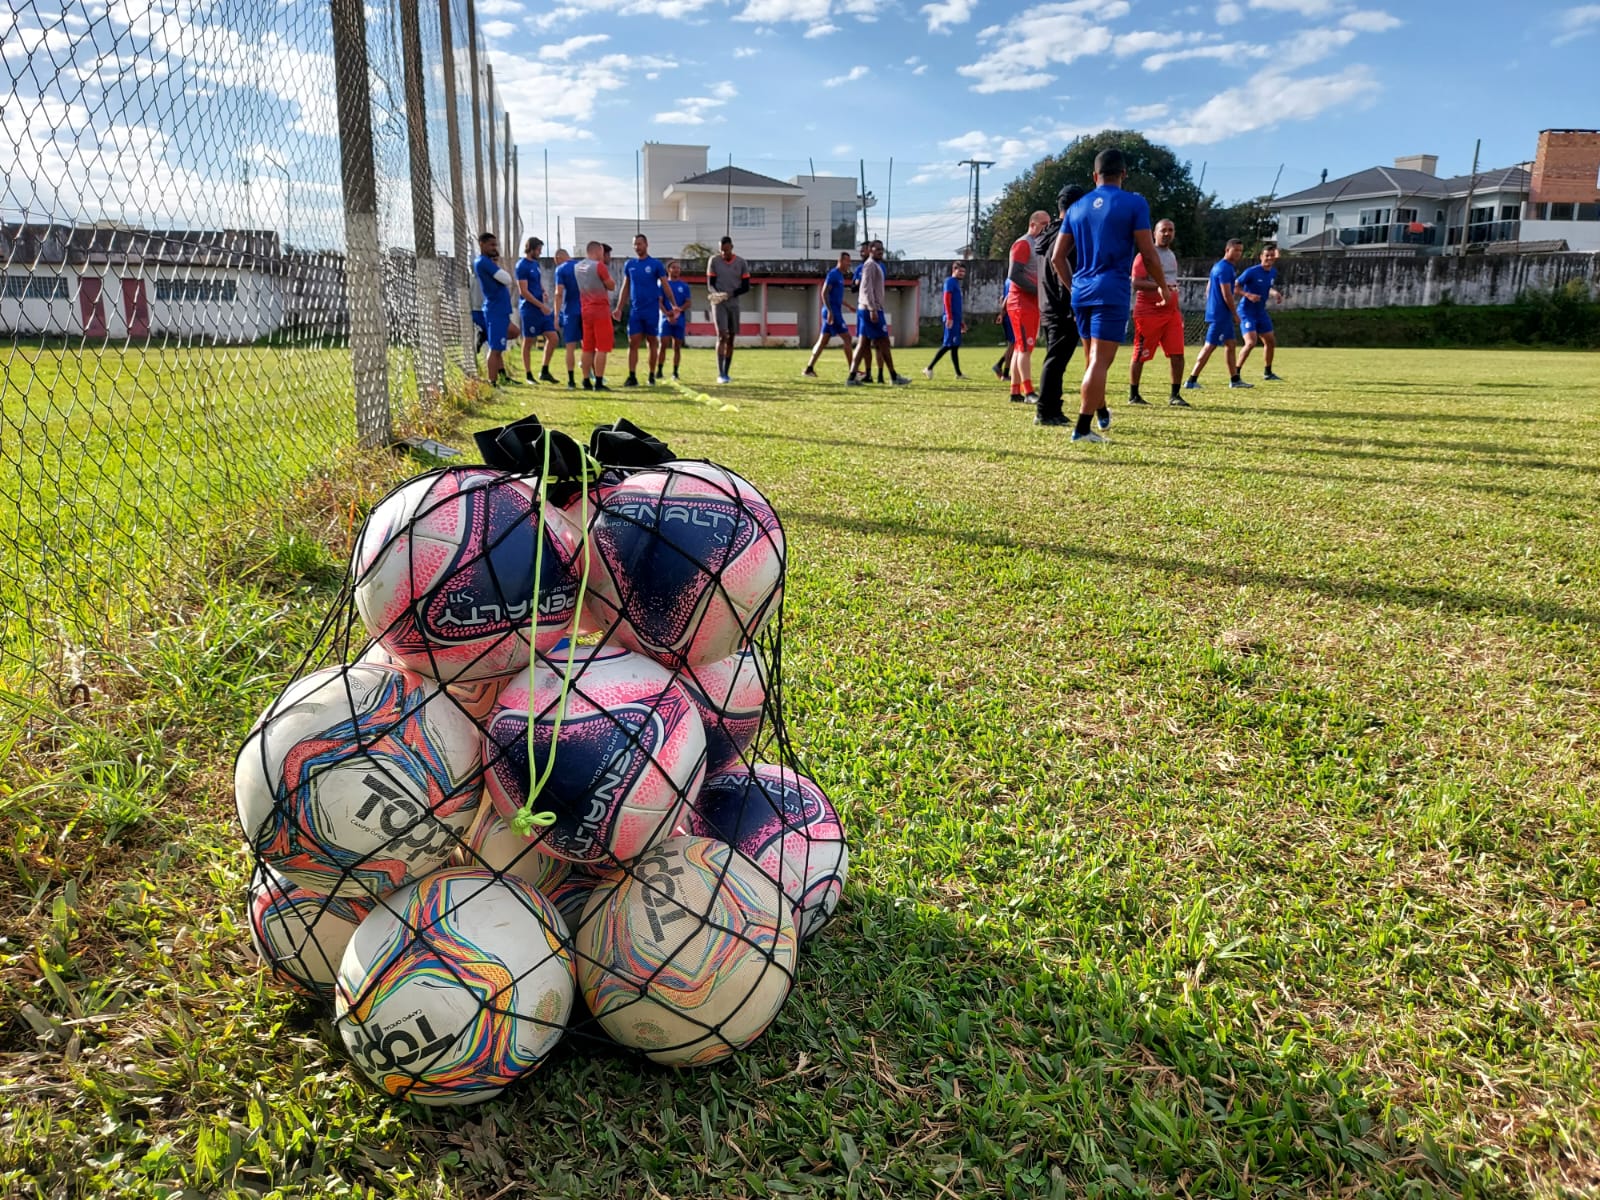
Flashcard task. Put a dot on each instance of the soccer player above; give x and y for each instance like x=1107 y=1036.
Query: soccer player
x=1057 y=326
x=832 y=315
x=674 y=319
x=1221 y=310
x=873 y=322
x=599 y=335
x=727 y=278
x=495 y=281
x=1157 y=326
x=533 y=311
x=1104 y=229
x=954 y=321
x=641 y=281
x=570 y=305
x=1002 y=367
x=1022 y=304
x=1257 y=285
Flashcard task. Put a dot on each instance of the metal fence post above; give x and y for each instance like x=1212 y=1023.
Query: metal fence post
x=430 y=356
x=363 y=262
x=460 y=295
x=493 y=167
x=478 y=194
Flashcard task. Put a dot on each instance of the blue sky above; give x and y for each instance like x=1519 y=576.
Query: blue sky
x=1240 y=86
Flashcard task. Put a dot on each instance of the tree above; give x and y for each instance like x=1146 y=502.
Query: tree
x=1153 y=171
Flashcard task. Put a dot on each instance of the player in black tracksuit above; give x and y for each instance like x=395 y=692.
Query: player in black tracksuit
x=1058 y=329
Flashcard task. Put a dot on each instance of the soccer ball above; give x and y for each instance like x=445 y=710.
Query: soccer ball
x=630 y=753
x=358 y=779
x=444 y=574
x=781 y=821
x=686 y=563
x=454 y=986
x=571 y=893
x=492 y=843
x=689 y=955
x=300 y=934
x=475 y=697
x=729 y=695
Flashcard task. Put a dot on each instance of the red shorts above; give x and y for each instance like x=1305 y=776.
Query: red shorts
x=599 y=334
x=1162 y=330
x=1024 y=316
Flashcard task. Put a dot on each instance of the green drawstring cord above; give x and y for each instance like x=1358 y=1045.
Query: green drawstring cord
x=527 y=819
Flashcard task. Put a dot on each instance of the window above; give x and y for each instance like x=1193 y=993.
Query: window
x=1561 y=212
x=1373 y=216
x=1372 y=226
x=1405 y=215
x=1508 y=212
x=749 y=218
x=793 y=235
x=203 y=290
x=1589 y=212
x=35 y=287
x=1538 y=212
x=1482 y=216
x=1438 y=216
x=1299 y=225
x=843 y=222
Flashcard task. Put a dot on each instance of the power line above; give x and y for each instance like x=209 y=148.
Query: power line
x=976 y=165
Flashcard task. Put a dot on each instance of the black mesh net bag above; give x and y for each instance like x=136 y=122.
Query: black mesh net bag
x=533 y=780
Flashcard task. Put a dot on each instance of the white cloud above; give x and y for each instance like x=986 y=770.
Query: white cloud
x=697 y=110
x=498 y=29
x=822 y=30
x=1007 y=150
x=573 y=9
x=1310 y=46
x=1140 y=41
x=913 y=60
x=843 y=149
x=1141 y=113
x=920 y=69
x=1371 y=20
x=551 y=101
x=499 y=8
x=854 y=74
x=1574 y=23
x=944 y=15
x=769 y=12
x=556 y=51
x=1042 y=36
x=1266 y=100
x=1229 y=13
x=745 y=52
x=1306 y=8
x=1223 y=53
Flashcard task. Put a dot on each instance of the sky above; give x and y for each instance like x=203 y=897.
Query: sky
x=1239 y=88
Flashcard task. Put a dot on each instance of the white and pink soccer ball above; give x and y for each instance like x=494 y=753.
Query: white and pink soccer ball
x=686 y=563
x=729 y=695
x=444 y=574
x=629 y=754
x=783 y=821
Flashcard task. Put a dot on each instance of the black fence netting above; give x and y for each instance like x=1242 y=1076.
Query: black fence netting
x=222 y=262
x=533 y=779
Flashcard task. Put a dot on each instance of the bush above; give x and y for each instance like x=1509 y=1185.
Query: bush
x=1564 y=317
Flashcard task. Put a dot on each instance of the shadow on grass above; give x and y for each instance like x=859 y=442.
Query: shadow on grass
x=916 y=1058
x=1426 y=596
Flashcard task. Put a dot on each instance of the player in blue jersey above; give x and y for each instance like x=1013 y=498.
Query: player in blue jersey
x=1101 y=234
x=1002 y=369
x=569 y=306
x=533 y=311
x=955 y=321
x=1221 y=311
x=673 y=327
x=640 y=298
x=495 y=282
x=1257 y=285
x=831 y=314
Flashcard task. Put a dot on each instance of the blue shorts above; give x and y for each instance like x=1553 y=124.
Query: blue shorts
x=833 y=325
x=952 y=337
x=673 y=331
x=643 y=322
x=1219 y=333
x=1005 y=329
x=871 y=328
x=1109 y=322
x=1255 y=323
x=572 y=328
x=496 y=321
x=535 y=321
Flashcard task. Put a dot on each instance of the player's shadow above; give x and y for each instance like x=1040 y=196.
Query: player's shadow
x=1383 y=416
x=919 y=1057
x=1449 y=452
x=1367 y=591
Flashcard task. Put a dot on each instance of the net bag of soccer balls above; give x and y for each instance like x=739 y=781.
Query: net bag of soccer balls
x=532 y=779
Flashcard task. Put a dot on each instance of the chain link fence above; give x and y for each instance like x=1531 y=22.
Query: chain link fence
x=234 y=242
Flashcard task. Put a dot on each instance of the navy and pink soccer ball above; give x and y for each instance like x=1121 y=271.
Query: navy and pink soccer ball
x=729 y=695
x=686 y=563
x=444 y=574
x=782 y=820
x=629 y=754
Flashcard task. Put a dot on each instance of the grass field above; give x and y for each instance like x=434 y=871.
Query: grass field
x=1226 y=808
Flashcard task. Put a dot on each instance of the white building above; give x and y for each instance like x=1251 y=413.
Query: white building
x=685 y=204
x=1405 y=209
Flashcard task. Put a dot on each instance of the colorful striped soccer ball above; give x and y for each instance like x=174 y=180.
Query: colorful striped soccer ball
x=570 y=894
x=454 y=987
x=444 y=574
x=631 y=752
x=475 y=697
x=686 y=563
x=689 y=955
x=494 y=844
x=358 y=780
x=780 y=820
x=729 y=695
x=301 y=934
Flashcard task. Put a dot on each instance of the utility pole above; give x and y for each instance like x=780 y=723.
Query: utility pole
x=976 y=166
x=1466 y=210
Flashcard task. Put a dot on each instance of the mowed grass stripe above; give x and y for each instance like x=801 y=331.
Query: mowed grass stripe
x=1224 y=804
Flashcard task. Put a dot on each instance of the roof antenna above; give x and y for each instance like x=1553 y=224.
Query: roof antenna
x=1324 y=174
